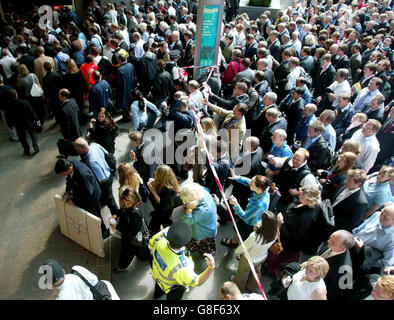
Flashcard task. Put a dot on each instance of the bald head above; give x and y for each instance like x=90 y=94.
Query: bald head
x=251 y=144
x=81 y=145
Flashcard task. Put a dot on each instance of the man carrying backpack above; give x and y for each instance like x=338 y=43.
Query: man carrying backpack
x=80 y=284
x=60 y=60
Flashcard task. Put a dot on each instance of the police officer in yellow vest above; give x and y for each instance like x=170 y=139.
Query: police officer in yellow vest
x=171 y=268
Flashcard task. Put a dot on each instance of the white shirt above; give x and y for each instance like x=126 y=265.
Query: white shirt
x=302 y=290
x=171 y=11
x=369 y=150
x=6 y=63
x=125 y=35
x=258 y=252
x=292 y=78
x=338 y=89
x=139 y=49
x=343 y=195
x=73 y=287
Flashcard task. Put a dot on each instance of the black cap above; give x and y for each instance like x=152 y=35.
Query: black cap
x=179 y=234
x=57 y=270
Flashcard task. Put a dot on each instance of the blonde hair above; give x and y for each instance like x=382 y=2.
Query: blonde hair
x=192 y=192
x=23 y=71
x=362 y=117
x=71 y=66
x=165 y=177
x=387 y=284
x=311 y=195
x=387 y=170
x=351 y=146
x=320 y=264
x=127 y=176
x=210 y=126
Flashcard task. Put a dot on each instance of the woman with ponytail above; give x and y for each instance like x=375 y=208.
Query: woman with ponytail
x=143 y=112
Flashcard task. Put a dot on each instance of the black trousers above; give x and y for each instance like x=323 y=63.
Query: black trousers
x=107 y=196
x=21 y=131
x=127 y=253
x=176 y=292
x=38 y=105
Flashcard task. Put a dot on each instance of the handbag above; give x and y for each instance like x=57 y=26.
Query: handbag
x=143 y=236
x=276 y=248
x=36 y=90
x=38 y=126
x=100 y=290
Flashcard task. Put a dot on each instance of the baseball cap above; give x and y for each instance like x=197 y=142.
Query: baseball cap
x=57 y=270
x=179 y=234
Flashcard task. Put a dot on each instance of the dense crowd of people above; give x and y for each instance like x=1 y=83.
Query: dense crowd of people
x=304 y=99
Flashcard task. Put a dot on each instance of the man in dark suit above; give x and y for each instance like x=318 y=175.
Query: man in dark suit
x=25 y=58
x=52 y=83
x=375 y=109
x=282 y=71
x=275 y=121
x=340 y=274
x=82 y=188
x=187 y=53
x=325 y=76
x=350 y=203
x=22 y=117
x=274 y=46
x=372 y=44
x=247 y=165
x=293 y=111
x=306 y=60
x=343 y=61
x=68 y=116
x=343 y=114
x=268 y=74
x=386 y=141
x=125 y=81
x=261 y=122
x=317 y=146
x=143 y=160
x=250 y=47
x=355 y=62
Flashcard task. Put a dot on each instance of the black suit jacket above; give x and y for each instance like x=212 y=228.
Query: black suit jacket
x=332 y=279
x=386 y=141
x=307 y=63
x=350 y=211
x=250 y=50
x=281 y=72
x=265 y=140
x=270 y=77
x=324 y=80
x=377 y=114
x=294 y=116
x=355 y=64
x=68 y=120
x=343 y=63
x=274 y=49
x=318 y=151
x=146 y=151
x=28 y=61
x=21 y=114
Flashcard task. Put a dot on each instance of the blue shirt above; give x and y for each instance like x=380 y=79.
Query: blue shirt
x=203 y=218
x=376 y=193
x=302 y=130
x=374 y=235
x=283 y=152
x=330 y=136
x=95 y=159
x=142 y=116
x=257 y=205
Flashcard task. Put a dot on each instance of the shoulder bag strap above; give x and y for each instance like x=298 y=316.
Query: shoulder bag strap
x=92 y=289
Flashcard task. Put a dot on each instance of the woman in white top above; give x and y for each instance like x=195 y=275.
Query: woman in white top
x=308 y=283
x=257 y=245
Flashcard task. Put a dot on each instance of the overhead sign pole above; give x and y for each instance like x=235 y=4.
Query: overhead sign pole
x=209 y=27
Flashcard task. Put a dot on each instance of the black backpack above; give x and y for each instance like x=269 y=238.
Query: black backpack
x=100 y=290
